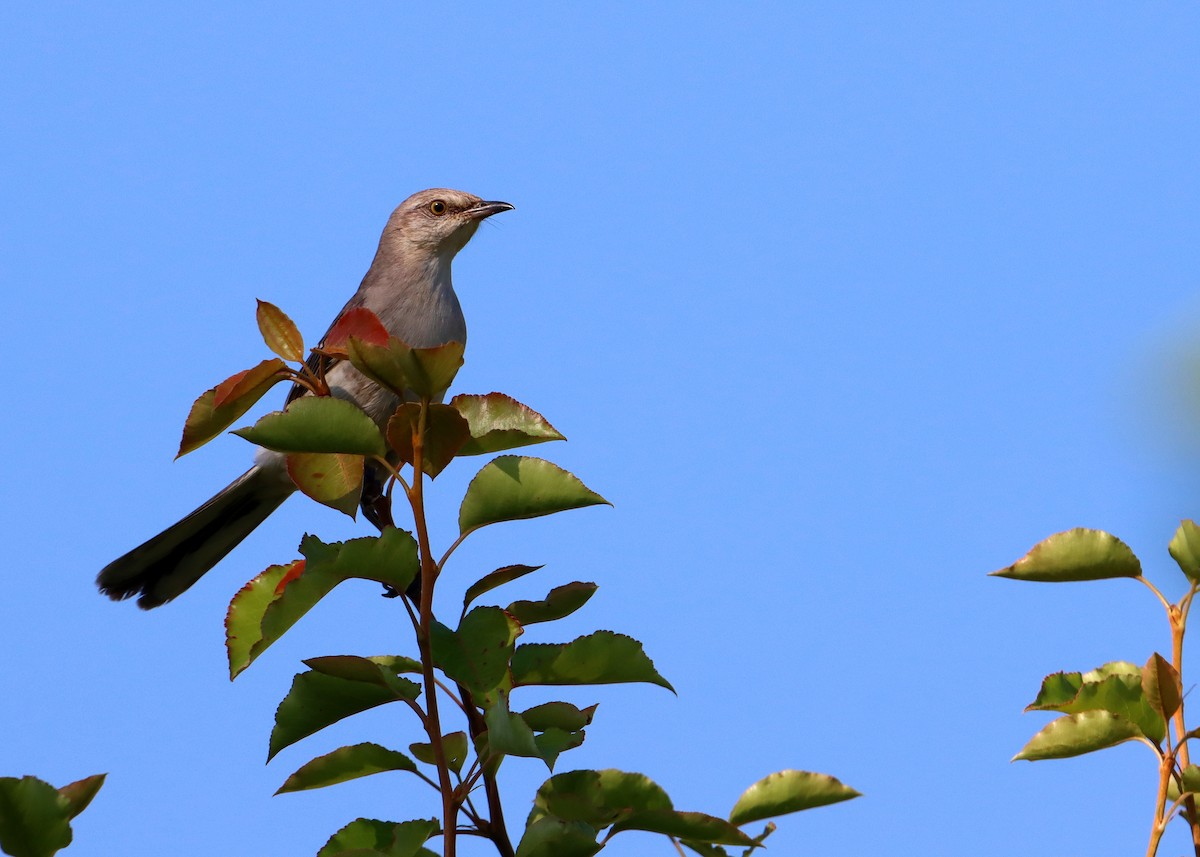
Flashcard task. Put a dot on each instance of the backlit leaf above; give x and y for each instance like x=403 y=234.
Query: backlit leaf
x=513 y=487
x=1075 y=555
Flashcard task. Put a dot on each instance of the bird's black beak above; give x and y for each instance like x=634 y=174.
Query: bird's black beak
x=487 y=209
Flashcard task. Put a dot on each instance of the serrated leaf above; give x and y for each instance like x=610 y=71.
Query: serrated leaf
x=1075 y=555
x=508 y=733
x=553 y=742
x=513 y=487
x=499 y=422
x=477 y=654
x=358 y=322
x=333 y=479
x=80 y=793
x=695 y=826
x=430 y=371
x=317 y=424
x=1076 y=734
x=382 y=670
x=499 y=577
x=1057 y=689
x=454 y=745
x=209 y=417
x=243 y=621
x=317 y=700
x=788 y=791
x=1185 y=549
x=560 y=602
x=346 y=763
x=34 y=818
x=279 y=332
x=270 y=604
x=445 y=433
x=558 y=715
x=602 y=657
x=1115 y=687
x=388 y=838
x=248 y=381
x=599 y=798
x=1162 y=686
x=381 y=363
x=553 y=837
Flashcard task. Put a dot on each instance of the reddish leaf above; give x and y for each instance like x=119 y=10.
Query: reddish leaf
x=206 y=419
x=294 y=570
x=359 y=322
x=236 y=386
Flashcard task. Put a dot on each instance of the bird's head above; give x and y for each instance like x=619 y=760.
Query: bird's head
x=439 y=221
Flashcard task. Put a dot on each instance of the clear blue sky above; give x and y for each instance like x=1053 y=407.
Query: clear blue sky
x=842 y=305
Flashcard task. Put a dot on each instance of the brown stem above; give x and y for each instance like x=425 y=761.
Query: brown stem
x=1178 y=617
x=428 y=576
x=495 y=829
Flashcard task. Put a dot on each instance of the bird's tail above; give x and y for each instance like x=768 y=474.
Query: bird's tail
x=172 y=561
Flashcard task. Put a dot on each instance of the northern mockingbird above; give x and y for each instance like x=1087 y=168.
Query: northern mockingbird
x=408 y=286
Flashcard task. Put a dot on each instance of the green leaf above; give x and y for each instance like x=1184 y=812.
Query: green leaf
x=279 y=332
x=316 y=700
x=507 y=732
x=513 y=487
x=275 y=600
x=317 y=424
x=383 y=670
x=80 y=793
x=788 y=791
x=490 y=581
x=346 y=763
x=388 y=838
x=445 y=433
x=1115 y=687
x=1076 y=734
x=1191 y=783
x=1162 y=686
x=333 y=479
x=553 y=837
x=477 y=654
x=34 y=818
x=695 y=826
x=381 y=363
x=598 y=658
x=454 y=745
x=243 y=621
x=558 y=715
x=1057 y=689
x=553 y=742
x=599 y=798
x=1074 y=555
x=561 y=601
x=499 y=422
x=1185 y=549
x=430 y=371
x=216 y=409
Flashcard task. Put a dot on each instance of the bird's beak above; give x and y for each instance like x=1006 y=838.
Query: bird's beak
x=486 y=209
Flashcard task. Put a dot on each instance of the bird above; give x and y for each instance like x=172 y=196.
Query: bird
x=408 y=286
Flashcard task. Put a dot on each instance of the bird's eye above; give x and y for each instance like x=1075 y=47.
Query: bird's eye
x=437 y=207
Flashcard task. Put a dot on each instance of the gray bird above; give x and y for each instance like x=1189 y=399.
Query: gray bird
x=408 y=286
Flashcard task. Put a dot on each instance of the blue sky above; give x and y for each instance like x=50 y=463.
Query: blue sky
x=842 y=306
